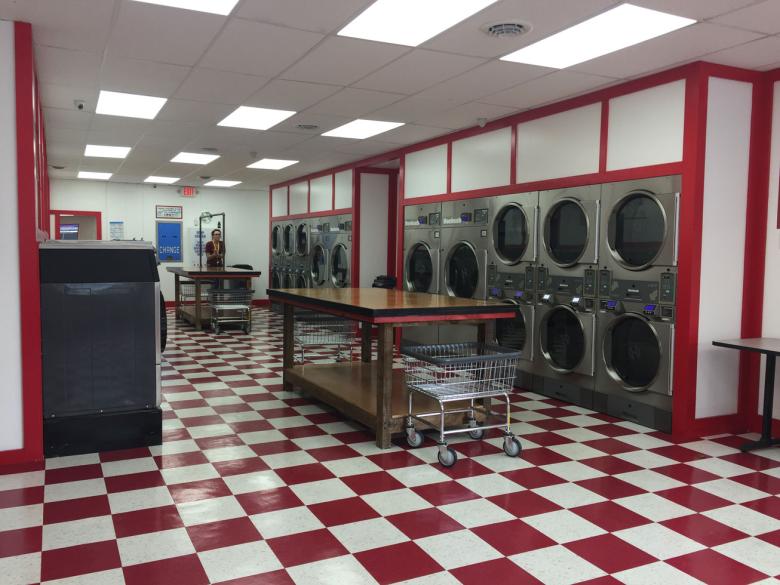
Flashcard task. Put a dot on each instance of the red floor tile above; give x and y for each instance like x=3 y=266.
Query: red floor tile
x=274 y=447
x=240 y=466
x=610 y=516
x=496 y=571
x=78 y=560
x=201 y=421
x=78 y=473
x=610 y=487
x=274 y=578
x=704 y=530
x=715 y=569
x=444 y=492
x=180 y=460
x=398 y=562
x=370 y=483
x=686 y=473
x=20 y=542
x=553 y=424
x=771 y=538
x=134 y=481
x=343 y=511
x=146 y=521
x=610 y=446
x=609 y=430
x=547 y=439
x=693 y=498
x=751 y=461
x=333 y=453
x=474 y=448
x=230 y=408
x=186 y=569
x=512 y=537
x=21 y=497
x=609 y=553
x=533 y=477
x=678 y=453
x=543 y=456
x=611 y=465
x=251 y=426
x=465 y=468
x=304 y=473
x=229 y=440
x=125 y=454
x=760 y=481
x=354 y=437
x=769 y=506
x=395 y=459
x=285 y=412
x=524 y=503
x=199 y=490
x=268 y=500
x=422 y=523
x=22 y=467
x=221 y=534
x=76 y=509
x=306 y=547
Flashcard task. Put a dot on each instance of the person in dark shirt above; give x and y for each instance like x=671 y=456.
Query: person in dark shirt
x=215 y=250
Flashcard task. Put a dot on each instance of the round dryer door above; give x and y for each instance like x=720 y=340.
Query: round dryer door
x=276 y=281
x=512 y=333
x=632 y=352
x=566 y=232
x=462 y=271
x=319 y=266
x=636 y=231
x=301 y=239
x=419 y=269
x=562 y=339
x=288 y=239
x=510 y=234
x=339 y=266
x=276 y=239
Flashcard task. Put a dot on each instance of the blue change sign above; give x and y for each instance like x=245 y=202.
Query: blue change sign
x=169 y=241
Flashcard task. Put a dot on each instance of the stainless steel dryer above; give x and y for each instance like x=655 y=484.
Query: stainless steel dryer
x=302 y=252
x=320 y=242
x=464 y=248
x=340 y=257
x=288 y=239
x=513 y=243
x=518 y=333
x=276 y=239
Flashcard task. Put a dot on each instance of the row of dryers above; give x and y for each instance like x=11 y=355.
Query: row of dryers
x=312 y=252
x=593 y=273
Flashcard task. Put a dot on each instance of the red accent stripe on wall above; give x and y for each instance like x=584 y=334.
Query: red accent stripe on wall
x=604 y=136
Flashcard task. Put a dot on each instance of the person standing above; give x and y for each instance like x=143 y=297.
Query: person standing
x=215 y=250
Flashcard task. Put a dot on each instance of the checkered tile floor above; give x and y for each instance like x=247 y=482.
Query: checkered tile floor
x=256 y=485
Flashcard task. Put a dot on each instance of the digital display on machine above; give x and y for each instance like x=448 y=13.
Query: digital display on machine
x=611 y=304
x=422 y=220
x=649 y=308
x=465 y=217
x=518 y=294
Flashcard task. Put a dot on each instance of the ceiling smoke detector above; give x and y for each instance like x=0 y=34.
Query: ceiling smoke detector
x=506 y=30
x=307 y=127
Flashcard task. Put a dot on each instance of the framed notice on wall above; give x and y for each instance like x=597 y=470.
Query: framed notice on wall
x=169 y=241
x=168 y=211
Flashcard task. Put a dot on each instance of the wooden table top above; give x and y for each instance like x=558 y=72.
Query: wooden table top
x=380 y=302
x=211 y=271
x=766 y=345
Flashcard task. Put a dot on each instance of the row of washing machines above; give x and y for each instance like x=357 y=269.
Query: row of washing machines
x=593 y=273
x=312 y=252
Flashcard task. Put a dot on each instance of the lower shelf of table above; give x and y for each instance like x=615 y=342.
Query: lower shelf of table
x=187 y=313
x=351 y=388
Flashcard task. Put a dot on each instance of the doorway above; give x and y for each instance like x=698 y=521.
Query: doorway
x=76 y=225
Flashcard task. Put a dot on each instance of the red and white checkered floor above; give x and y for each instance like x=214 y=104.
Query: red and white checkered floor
x=256 y=485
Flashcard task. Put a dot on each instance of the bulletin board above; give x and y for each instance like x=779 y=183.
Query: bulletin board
x=169 y=241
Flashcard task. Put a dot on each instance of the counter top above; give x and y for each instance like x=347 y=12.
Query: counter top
x=767 y=345
x=211 y=271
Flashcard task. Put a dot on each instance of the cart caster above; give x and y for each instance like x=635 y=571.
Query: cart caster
x=477 y=433
x=413 y=438
x=512 y=446
x=447 y=457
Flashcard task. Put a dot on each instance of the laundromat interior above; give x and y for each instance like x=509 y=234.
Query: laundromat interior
x=306 y=292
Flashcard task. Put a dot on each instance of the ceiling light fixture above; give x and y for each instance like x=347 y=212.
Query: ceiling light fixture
x=274 y=164
x=222 y=183
x=161 y=180
x=95 y=176
x=410 y=22
x=106 y=151
x=615 y=29
x=194 y=158
x=221 y=7
x=255 y=118
x=361 y=129
x=129 y=105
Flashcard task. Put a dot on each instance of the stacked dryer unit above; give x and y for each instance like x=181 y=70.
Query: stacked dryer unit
x=566 y=294
x=340 y=256
x=288 y=251
x=301 y=253
x=276 y=254
x=319 y=244
x=637 y=290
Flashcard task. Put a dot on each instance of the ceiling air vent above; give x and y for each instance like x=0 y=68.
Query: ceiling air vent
x=307 y=126
x=506 y=30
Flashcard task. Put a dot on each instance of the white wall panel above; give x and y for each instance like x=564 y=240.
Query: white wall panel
x=561 y=145
x=425 y=172
x=344 y=189
x=321 y=197
x=373 y=226
x=11 y=428
x=482 y=161
x=299 y=197
x=646 y=127
x=723 y=244
x=279 y=202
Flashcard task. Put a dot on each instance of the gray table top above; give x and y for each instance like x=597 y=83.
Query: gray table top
x=765 y=345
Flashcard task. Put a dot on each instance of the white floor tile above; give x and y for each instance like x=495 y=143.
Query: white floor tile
x=213 y=510
x=655 y=574
x=569 y=495
x=258 y=437
x=731 y=490
x=653 y=507
x=396 y=502
x=155 y=546
x=253 y=482
x=229 y=453
x=76 y=532
x=491 y=484
x=289 y=422
x=174 y=475
x=72 y=461
x=573 y=470
x=284 y=522
x=649 y=480
x=659 y=541
x=345 y=570
x=580 y=434
x=111 y=577
x=74 y=489
x=576 y=451
x=418 y=475
x=21 y=517
x=646 y=459
x=176 y=447
x=351 y=466
x=206 y=431
x=458 y=549
x=556 y=564
x=643 y=441
x=289 y=459
x=720 y=467
x=473 y=513
x=744 y=519
x=368 y=534
x=242 y=560
x=563 y=526
x=499 y=462
x=710 y=448
x=21 y=569
x=139 y=499
x=753 y=552
x=15 y=481
x=317 y=442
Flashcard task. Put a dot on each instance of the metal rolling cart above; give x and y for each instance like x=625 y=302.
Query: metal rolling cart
x=314 y=329
x=232 y=306
x=456 y=373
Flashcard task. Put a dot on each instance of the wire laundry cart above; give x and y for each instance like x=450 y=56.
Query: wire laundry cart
x=232 y=306
x=313 y=329
x=459 y=372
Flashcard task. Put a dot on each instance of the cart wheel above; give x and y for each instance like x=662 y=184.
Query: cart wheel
x=216 y=330
x=449 y=458
x=413 y=438
x=477 y=433
x=512 y=446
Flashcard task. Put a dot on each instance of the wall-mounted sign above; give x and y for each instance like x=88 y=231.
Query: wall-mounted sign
x=116 y=230
x=169 y=241
x=168 y=211
x=188 y=191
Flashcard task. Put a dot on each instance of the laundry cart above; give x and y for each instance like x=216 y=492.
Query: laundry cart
x=459 y=375
x=231 y=306
x=314 y=330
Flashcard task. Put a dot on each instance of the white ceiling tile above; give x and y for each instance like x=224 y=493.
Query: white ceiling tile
x=67 y=137
x=66 y=67
x=114 y=135
x=342 y=61
x=258 y=48
x=203 y=113
x=762 y=17
x=760 y=54
x=698 y=9
x=82 y=25
x=324 y=122
x=418 y=70
x=410 y=134
x=553 y=87
x=69 y=119
x=290 y=95
x=466 y=115
x=681 y=46
x=100 y=165
x=63 y=96
x=313 y=15
x=139 y=76
x=223 y=87
x=411 y=109
x=355 y=103
x=160 y=33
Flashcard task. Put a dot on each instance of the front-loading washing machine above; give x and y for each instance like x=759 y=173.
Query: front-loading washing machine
x=277 y=228
x=340 y=257
x=302 y=252
x=320 y=241
x=518 y=333
x=513 y=243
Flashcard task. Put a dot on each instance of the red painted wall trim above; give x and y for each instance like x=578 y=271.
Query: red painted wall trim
x=513 y=156
x=58 y=213
x=603 y=137
x=356 y=200
x=449 y=167
x=392 y=225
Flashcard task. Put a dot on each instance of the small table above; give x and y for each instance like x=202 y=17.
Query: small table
x=770 y=347
x=197 y=313
x=373 y=393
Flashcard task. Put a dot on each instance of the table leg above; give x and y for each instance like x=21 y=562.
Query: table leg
x=384 y=394
x=176 y=295
x=486 y=334
x=766 y=439
x=365 y=341
x=288 y=346
x=198 y=325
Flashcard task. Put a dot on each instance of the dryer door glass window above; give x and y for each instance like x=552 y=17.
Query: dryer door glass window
x=635 y=354
x=339 y=271
x=637 y=229
x=288 y=239
x=511 y=333
x=419 y=269
x=301 y=239
x=564 y=341
x=276 y=281
x=275 y=239
x=319 y=269
x=463 y=271
x=566 y=232
x=510 y=234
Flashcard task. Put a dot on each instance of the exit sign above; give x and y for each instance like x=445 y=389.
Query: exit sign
x=188 y=191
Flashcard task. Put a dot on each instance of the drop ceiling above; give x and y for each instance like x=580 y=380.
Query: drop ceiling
x=285 y=54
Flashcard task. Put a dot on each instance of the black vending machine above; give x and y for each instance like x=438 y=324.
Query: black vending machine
x=100 y=321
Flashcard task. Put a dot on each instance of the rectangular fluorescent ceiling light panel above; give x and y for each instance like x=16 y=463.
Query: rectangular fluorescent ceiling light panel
x=106 y=151
x=271 y=163
x=194 y=158
x=161 y=180
x=222 y=183
x=96 y=176
x=129 y=105
x=223 y=7
x=255 y=118
x=410 y=22
x=362 y=129
x=615 y=29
